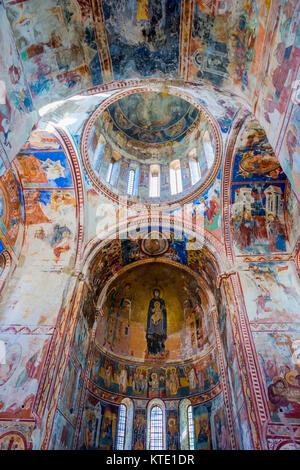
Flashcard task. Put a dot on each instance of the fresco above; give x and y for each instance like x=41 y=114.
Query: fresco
x=153 y=118
x=49 y=55
x=149 y=127
x=147 y=43
x=62 y=433
x=292 y=216
x=251 y=48
x=162 y=308
x=258 y=218
x=277 y=352
x=201 y=416
x=11 y=211
x=16 y=435
x=17 y=114
x=276 y=92
x=143 y=380
x=99 y=425
x=220 y=435
x=139 y=430
x=273 y=292
x=81 y=340
x=45 y=168
x=43 y=207
x=172 y=423
x=70 y=392
x=20 y=375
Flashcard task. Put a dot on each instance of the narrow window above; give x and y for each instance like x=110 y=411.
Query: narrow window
x=109 y=172
x=175 y=177
x=208 y=149
x=191 y=428
x=194 y=166
x=154 y=189
x=113 y=172
x=156 y=428
x=121 y=427
x=130 y=185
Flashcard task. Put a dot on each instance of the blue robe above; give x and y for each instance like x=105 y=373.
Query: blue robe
x=156 y=333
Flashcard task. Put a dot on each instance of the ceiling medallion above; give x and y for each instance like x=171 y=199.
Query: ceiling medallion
x=155 y=243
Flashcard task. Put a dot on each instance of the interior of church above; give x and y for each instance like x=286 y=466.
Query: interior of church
x=149 y=225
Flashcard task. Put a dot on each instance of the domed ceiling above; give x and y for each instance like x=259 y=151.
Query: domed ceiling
x=139 y=128
x=153 y=118
x=154 y=312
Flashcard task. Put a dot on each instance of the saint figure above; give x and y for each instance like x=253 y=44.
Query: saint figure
x=156 y=325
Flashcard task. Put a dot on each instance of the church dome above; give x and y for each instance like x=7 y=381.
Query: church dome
x=150 y=145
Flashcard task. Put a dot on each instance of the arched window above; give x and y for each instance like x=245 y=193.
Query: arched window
x=187 y=427
x=99 y=152
x=208 y=149
x=113 y=169
x=130 y=184
x=191 y=428
x=156 y=428
x=194 y=166
x=121 y=427
x=154 y=183
x=109 y=172
x=125 y=424
x=175 y=177
x=156 y=425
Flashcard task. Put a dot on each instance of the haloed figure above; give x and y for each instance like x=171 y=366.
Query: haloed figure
x=156 y=325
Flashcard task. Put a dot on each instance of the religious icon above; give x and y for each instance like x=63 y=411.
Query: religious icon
x=156 y=325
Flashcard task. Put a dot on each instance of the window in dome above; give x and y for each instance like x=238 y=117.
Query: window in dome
x=194 y=166
x=208 y=149
x=112 y=172
x=156 y=428
x=154 y=185
x=191 y=428
x=109 y=172
x=99 y=152
x=175 y=177
x=121 y=427
x=130 y=185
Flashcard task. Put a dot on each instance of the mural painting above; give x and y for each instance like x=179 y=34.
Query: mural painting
x=272 y=296
x=62 y=433
x=156 y=332
x=20 y=375
x=202 y=427
x=277 y=352
x=99 y=425
x=139 y=430
x=70 y=392
x=170 y=381
x=172 y=430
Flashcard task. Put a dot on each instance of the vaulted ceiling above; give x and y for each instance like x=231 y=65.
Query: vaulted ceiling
x=250 y=48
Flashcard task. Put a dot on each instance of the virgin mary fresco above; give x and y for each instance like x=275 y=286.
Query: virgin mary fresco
x=156 y=325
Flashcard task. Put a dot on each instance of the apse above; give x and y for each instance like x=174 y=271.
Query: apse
x=154 y=297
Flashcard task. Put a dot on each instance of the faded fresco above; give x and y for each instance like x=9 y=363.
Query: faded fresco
x=150 y=312
x=169 y=381
x=99 y=425
x=217 y=320
x=20 y=374
x=17 y=114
